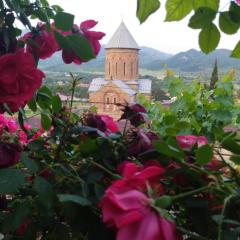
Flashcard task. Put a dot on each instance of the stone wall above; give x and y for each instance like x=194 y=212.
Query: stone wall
x=121 y=64
x=106 y=98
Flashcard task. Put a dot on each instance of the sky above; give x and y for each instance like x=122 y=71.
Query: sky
x=170 y=37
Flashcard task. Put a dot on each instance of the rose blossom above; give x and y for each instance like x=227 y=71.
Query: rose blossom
x=135 y=113
x=11 y=125
x=135 y=177
x=92 y=36
x=104 y=123
x=187 y=142
x=111 y=125
x=237 y=2
x=43 y=43
x=126 y=207
x=141 y=142
x=19 y=79
x=9 y=154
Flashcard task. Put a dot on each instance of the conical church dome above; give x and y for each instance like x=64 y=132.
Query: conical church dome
x=122 y=38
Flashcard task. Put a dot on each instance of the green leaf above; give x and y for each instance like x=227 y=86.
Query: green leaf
x=226 y=24
x=73 y=198
x=32 y=104
x=56 y=104
x=64 y=21
x=209 y=38
x=62 y=41
x=231 y=145
x=202 y=18
x=29 y=163
x=234 y=12
x=81 y=47
x=164 y=201
x=213 y=4
x=46 y=121
x=145 y=8
x=45 y=90
x=44 y=98
x=235 y=159
x=44 y=190
x=236 y=51
x=17 y=32
x=204 y=154
x=57 y=8
x=178 y=9
x=168 y=149
x=182 y=125
x=11 y=180
x=16 y=218
x=36 y=145
x=41 y=14
x=44 y=3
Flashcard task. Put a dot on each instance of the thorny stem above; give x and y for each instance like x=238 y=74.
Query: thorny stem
x=74 y=84
x=235 y=174
x=60 y=145
x=226 y=201
x=186 y=194
x=116 y=176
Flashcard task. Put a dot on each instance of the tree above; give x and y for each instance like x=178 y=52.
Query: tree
x=214 y=77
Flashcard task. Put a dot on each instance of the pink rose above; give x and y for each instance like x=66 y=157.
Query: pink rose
x=22 y=136
x=11 y=125
x=41 y=42
x=19 y=79
x=135 y=113
x=136 y=177
x=130 y=212
x=237 y=2
x=103 y=123
x=9 y=154
x=141 y=141
x=111 y=125
x=92 y=36
x=187 y=142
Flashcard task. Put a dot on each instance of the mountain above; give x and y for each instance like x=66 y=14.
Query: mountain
x=151 y=59
x=55 y=63
x=148 y=56
x=193 y=60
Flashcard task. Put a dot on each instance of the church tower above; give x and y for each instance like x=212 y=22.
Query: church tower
x=121 y=82
x=121 y=62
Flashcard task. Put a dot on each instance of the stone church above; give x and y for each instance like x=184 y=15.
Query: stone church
x=121 y=83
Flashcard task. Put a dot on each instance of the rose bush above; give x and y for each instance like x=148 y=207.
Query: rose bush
x=167 y=175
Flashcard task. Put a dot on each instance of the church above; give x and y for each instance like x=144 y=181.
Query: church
x=121 y=83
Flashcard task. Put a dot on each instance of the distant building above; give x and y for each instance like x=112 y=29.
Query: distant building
x=121 y=83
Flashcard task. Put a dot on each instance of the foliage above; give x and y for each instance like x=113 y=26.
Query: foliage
x=205 y=14
x=195 y=109
x=166 y=175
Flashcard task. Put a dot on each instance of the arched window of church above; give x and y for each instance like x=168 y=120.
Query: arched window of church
x=124 y=69
x=114 y=100
x=131 y=68
x=108 y=101
x=116 y=69
x=109 y=68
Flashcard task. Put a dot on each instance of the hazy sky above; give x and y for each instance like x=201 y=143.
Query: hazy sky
x=168 y=37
